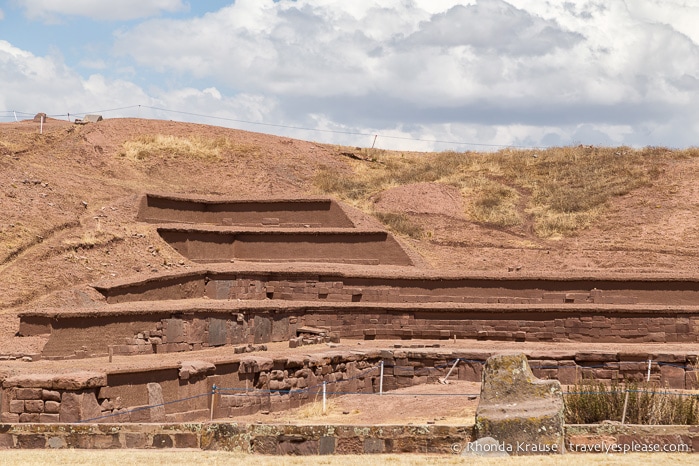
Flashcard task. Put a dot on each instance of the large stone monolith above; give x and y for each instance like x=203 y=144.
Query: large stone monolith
x=523 y=413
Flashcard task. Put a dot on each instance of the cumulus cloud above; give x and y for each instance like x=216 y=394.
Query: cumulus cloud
x=32 y=83
x=519 y=72
x=493 y=27
x=51 y=10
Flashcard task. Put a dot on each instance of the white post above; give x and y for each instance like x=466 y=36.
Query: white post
x=648 y=376
x=445 y=379
x=381 y=380
x=626 y=404
x=15 y=115
x=324 y=397
x=41 y=130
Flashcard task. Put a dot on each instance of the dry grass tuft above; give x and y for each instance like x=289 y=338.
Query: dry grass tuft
x=197 y=148
x=400 y=223
x=562 y=190
x=593 y=402
x=315 y=409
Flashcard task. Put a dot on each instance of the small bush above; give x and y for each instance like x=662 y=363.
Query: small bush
x=594 y=402
x=496 y=205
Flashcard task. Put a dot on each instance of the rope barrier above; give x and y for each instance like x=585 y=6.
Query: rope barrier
x=143 y=408
x=231 y=391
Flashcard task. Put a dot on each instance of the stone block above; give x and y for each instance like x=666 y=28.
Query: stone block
x=79 y=380
x=174 y=330
x=34 y=406
x=374 y=445
x=327 y=446
x=79 y=407
x=162 y=441
x=672 y=376
x=404 y=371
x=516 y=408
x=596 y=356
x=262 y=330
x=156 y=400
x=186 y=440
x=568 y=375
x=29 y=381
x=17 y=406
x=31 y=418
x=50 y=395
x=134 y=440
x=50 y=418
x=196 y=331
x=298 y=446
x=217 y=332
x=31 y=441
x=196 y=369
x=9 y=418
x=253 y=364
x=6 y=441
x=28 y=394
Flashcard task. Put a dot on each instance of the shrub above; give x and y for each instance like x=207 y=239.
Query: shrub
x=593 y=402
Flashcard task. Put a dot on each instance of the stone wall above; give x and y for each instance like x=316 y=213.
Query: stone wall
x=91 y=333
x=346 y=246
x=326 y=213
x=300 y=286
x=251 y=383
x=326 y=439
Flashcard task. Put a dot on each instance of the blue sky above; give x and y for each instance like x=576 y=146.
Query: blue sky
x=471 y=74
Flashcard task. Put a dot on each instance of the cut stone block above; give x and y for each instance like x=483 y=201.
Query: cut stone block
x=79 y=407
x=156 y=400
x=217 y=332
x=521 y=412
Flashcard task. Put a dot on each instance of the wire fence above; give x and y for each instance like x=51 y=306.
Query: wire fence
x=16 y=115
x=377 y=371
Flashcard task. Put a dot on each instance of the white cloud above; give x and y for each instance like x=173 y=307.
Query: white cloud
x=519 y=72
x=2 y=15
x=51 y=10
x=421 y=64
x=33 y=84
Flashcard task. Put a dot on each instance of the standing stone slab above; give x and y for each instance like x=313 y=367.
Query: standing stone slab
x=174 y=330
x=263 y=329
x=156 y=400
x=280 y=329
x=217 y=332
x=523 y=413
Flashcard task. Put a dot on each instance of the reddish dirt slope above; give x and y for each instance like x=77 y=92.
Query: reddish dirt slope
x=68 y=201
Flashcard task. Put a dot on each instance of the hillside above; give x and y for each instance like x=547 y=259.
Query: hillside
x=69 y=199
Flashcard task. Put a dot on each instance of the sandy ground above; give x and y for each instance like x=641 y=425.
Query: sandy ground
x=454 y=403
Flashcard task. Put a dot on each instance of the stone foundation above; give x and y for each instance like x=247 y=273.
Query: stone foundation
x=329 y=439
x=160 y=327
x=247 y=384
